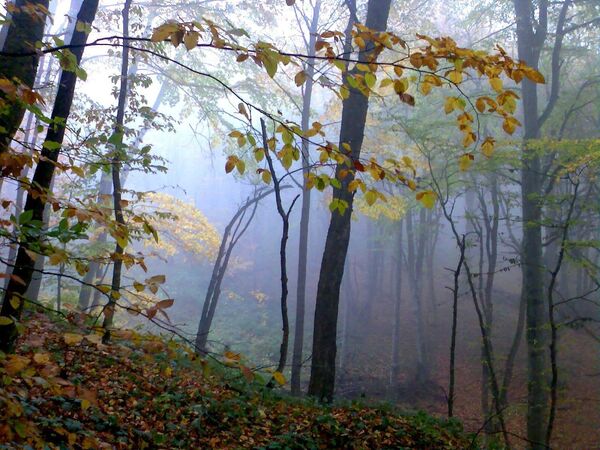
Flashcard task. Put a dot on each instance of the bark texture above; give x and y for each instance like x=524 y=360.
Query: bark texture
x=354 y=114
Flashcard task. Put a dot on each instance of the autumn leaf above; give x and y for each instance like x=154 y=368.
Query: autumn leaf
x=370 y=197
x=465 y=161
x=5 y=321
x=41 y=358
x=165 y=303
x=427 y=198
x=300 y=78
x=279 y=378
x=510 y=124
x=496 y=84
x=72 y=338
x=164 y=31
x=487 y=147
x=191 y=40
x=15 y=363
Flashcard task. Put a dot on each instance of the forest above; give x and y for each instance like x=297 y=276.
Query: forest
x=300 y=224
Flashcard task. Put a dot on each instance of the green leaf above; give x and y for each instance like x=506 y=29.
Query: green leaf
x=51 y=145
x=116 y=139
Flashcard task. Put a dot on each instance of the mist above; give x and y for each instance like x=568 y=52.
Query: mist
x=441 y=254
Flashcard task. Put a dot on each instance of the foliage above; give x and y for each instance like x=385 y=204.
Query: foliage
x=64 y=389
x=181 y=227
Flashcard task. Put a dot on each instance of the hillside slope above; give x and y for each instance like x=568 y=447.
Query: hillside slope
x=64 y=390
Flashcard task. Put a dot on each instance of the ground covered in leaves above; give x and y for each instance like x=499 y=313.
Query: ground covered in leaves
x=65 y=389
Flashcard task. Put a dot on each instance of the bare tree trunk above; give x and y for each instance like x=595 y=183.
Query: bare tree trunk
x=305 y=213
x=553 y=326
x=222 y=261
x=454 y=290
x=116 y=179
x=285 y=222
x=395 y=367
x=354 y=114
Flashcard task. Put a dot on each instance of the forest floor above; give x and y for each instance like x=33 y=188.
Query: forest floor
x=65 y=389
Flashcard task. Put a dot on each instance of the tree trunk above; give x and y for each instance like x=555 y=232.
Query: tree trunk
x=116 y=180
x=529 y=42
x=222 y=261
x=305 y=213
x=395 y=368
x=354 y=114
x=24 y=30
x=42 y=178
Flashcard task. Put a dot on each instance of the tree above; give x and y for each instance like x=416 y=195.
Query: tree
x=305 y=209
x=13 y=300
x=354 y=113
x=25 y=29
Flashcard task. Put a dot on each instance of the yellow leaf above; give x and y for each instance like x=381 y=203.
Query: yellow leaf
x=455 y=76
x=534 y=75
x=425 y=88
x=230 y=164
x=344 y=92
x=15 y=363
x=5 y=320
x=78 y=171
x=449 y=105
x=278 y=376
x=370 y=197
x=465 y=161
x=496 y=84
x=15 y=302
x=241 y=166
x=139 y=287
x=510 y=124
x=468 y=139
x=57 y=258
x=41 y=358
x=232 y=355
x=85 y=404
x=370 y=79
x=487 y=148
x=427 y=198
x=480 y=105
x=386 y=82
x=163 y=32
x=266 y=177
x=72 y=338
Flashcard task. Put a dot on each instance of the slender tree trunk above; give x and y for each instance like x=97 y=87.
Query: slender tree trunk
x=235 y=228
x=422 y=357
x=454 y=290
x=395 y=368
x=551 y=318
x=42 y=178
x=305 y=213
x=354 y=114
x=116 y=179
x=285 y=223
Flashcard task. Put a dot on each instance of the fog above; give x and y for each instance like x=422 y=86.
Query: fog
x=424 y=285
